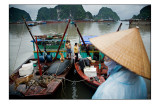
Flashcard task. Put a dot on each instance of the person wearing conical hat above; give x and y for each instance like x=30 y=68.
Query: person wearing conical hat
x=128 y=65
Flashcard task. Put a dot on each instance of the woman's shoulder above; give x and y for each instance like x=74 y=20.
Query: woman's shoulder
x=125 y=76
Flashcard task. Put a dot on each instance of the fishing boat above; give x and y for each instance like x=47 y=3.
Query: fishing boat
x=44 y=72
x=30 y=23
x=94 y=72
x=91 y=67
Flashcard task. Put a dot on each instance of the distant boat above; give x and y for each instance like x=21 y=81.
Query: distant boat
x=31 y=24
x=43 y=22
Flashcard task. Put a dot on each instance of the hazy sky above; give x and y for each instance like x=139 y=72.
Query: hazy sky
x=123 y=11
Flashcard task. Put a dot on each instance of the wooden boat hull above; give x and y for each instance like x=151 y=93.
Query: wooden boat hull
x=92 y=83
x=36 y=91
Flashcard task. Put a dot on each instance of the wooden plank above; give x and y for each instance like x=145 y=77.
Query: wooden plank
x=53 y=85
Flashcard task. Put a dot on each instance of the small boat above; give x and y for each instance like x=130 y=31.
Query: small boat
x=42 y=73
x=31 y=24
x=97 y=72
x=54 y=72
x=93 y=72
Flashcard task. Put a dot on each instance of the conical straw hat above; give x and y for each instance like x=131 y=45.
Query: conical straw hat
x=127 y=49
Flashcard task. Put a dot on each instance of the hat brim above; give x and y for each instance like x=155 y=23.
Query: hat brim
x=126 y=48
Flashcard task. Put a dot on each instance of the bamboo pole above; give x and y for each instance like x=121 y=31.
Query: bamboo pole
x=81 y=38
x=40 y=69
x=31 y=34
x=119 y=27
x=62 y=39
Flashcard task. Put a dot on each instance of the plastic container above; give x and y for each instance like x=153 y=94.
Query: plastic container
x=26 y=69
x=90 y=71
x=41 y=58
x=49 y=58
x=34 y=62
x=28 y=65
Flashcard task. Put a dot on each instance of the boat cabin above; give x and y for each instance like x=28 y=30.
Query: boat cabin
x=50 y=43
x=94 y=52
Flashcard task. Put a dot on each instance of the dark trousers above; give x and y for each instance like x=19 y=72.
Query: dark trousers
x=76 y=59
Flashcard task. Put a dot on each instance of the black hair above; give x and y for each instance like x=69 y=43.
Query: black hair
x=68 y=41
x=75 y=43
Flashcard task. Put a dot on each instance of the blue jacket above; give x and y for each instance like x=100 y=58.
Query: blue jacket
x=122 y=84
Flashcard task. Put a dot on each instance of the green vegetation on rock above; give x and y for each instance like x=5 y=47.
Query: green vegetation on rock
x=61 y=12
x=47 y=14
x=145 y=13
x=89 y=15
x=107 y=13
x=15 y=15
x=75 y=12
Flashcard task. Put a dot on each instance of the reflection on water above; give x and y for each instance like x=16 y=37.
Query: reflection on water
x=108 y=27
x=74 y=91
x=18 y=33
x=15 y=30
x=20 y=47
x=74 y=88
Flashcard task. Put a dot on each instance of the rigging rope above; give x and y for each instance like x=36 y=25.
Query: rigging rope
x=19 y=47
x=69 y=79
x=57 y=68
x=74 y=81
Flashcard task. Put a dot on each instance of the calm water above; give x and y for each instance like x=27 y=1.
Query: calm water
x=20 y=48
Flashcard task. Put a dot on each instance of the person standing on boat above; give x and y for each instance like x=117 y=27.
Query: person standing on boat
x=68 y=47
x=76 y=51
x=128 y=63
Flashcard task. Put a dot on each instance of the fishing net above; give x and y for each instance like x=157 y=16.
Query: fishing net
x=58 y=67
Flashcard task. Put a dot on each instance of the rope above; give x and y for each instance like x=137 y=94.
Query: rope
x=57 y=68
x=84 y=63
x=70 y=80
x=63 y=88
x=18 y=48
x=74 y=81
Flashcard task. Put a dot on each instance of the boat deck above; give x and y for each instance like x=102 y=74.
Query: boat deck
x=93 y=82
x=34 y=89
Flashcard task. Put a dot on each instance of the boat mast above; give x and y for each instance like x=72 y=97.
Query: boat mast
x=40 y=69
x=81 y=38
x=119 y=27
x=62 y=39
x=31 y=33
